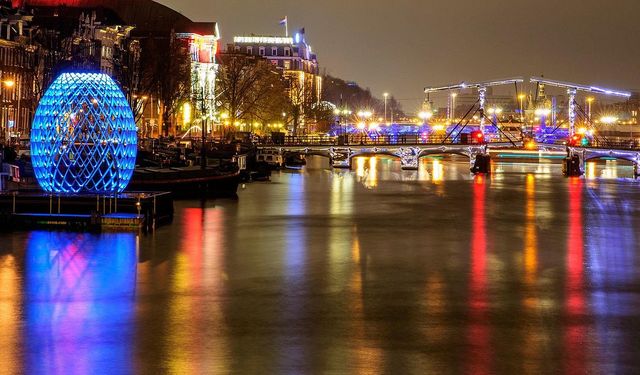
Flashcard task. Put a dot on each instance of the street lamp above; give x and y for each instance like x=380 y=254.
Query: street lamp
x=589 y=101
x=386 y=95
x=608 y=120
x=521 y=98
x=425 y=115
x=364 y=116
x=634 y=114
x=10 y=84
x=453 y=106
x=341 y=113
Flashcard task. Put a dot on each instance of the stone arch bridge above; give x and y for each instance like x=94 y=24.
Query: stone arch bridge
x=409 y=155
x=341 y=156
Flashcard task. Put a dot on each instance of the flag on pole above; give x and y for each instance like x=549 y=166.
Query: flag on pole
x=285 y=22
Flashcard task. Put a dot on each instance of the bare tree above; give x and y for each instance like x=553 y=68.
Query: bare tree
x=166 y=74
x=250 y=88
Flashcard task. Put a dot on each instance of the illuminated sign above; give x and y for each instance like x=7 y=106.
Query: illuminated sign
x=262 y=40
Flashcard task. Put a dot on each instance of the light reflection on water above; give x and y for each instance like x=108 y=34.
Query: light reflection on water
x=366 y=271
x=79 y=302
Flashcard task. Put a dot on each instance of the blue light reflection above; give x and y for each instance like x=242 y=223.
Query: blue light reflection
x=79 y=302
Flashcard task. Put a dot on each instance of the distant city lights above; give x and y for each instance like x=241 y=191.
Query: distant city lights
x=608 y=119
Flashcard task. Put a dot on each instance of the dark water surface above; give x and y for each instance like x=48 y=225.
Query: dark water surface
x=374 y=270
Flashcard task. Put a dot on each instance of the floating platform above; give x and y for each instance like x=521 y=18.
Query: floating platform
x=124 y=211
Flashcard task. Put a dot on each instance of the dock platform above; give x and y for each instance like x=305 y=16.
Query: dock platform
x=124 y=211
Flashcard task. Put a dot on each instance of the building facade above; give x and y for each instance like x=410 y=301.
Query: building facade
x=300 y=69
x=18 y=62
x=202 y=40
x=110 y=36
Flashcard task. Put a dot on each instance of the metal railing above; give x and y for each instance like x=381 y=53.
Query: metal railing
x=366 y=140
x=414 y=139
x=629 y=144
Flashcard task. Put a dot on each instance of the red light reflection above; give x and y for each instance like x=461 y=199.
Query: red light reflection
x=575 y=334
x=479 y=337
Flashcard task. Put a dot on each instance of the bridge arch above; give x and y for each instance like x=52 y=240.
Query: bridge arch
x=629 y=158
x=425 y=153
x=372 y=153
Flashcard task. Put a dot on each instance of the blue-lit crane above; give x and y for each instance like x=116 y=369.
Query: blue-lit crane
x=572 y=89
x=482 y=90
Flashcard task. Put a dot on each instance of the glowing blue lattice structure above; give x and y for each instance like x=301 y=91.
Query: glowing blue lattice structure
x=83 y=137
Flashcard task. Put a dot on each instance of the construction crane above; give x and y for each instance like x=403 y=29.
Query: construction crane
x=572 y=89
x=482 y=90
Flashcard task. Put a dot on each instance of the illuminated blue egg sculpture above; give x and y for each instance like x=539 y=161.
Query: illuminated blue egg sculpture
x=83 y=136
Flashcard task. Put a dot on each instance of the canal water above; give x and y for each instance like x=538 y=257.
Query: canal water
x=372 y=270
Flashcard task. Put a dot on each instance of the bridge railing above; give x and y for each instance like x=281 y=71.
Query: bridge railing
x=367 y=140
x=603 y=144
x=615 y=144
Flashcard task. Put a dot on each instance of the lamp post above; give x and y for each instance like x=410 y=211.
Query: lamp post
x=634 y=114
x=362 y=124
x=495 y=111
x=386 y=95
x=542 y=114
x=521 y=98
x=589 y=101
x=453 y=106
x=425 y=116
x=144 y=107
x=10 y=84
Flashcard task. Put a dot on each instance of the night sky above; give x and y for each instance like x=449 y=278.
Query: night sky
x=400 y=46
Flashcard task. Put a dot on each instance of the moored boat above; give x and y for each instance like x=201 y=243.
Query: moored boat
x=188 y=181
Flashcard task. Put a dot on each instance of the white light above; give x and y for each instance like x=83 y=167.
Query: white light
x=425 y=115
x=542 y=112
x=262 y=40
x=608 y=119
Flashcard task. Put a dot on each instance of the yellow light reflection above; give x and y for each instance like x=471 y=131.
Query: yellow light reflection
x=360 y=172
x=438 y=171
x=610 y=170
x=198 y=266
x=355 y=246
x=9 y=313
x=367 y=171
x=365 y=354
x=341 y=198
x=591 y=170
x=530 y=235
x=436 y=332
x=532 y=337
x=423 y=171
x=373 y=172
